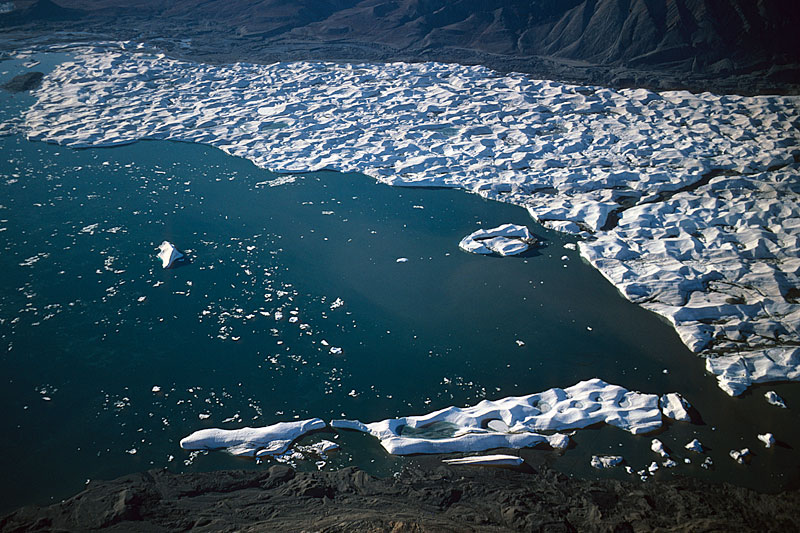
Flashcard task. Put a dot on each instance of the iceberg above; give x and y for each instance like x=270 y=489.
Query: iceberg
x=516 y=421
x=253 y=442
x=168 y=254
x=675 y=407
x=486 y=460
x=508 y=239
x=606 y=461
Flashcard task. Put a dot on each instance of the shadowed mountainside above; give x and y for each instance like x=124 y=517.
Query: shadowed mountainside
x=695 y=39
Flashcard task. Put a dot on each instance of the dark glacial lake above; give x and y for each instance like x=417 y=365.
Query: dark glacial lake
x=90 y=322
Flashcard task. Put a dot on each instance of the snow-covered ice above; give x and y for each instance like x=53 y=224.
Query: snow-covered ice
x=455 y=429
x=768 y=439
x=606 y=461
x=694 y=446
x=508 y=239
x=486 y=460
x=687 y=203
x=675 y=407
x=773 y=399
x=658 y=447
x=268 y=440
x=168 y=254
x=741 y=456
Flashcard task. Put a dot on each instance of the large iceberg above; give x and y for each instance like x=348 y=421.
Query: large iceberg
x=269 y=440
x=516 y=421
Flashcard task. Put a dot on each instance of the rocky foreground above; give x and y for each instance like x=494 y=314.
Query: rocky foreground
x=445 y=499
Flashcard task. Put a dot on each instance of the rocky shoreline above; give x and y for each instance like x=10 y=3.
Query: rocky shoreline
x=441 y=499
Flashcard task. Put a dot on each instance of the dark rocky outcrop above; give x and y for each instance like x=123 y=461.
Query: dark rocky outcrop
x=24 y=82
x=445 y=499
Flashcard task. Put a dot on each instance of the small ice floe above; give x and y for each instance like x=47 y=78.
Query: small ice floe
x=156 y=389
x=669 y=463
x=741 y=456
x=508 y=239
x=321 y=448
x=773 y=398
x=571 y=246
x=675 y=407
x=520 y=343
x=335 y=350
x=168 y=254
x=477 y=428
x=486 y=460
x=658 y=447
x=606 y=461
x=401 y=260
x=694 y=446
x=653 y=468
x=768 y=439
x=268 y=440
x=204 y=416
x=708 y=463
x=337 y=303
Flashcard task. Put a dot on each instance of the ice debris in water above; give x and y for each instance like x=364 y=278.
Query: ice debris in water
x=694 y=446
x=675 y=407
x=606 y=461
x=168 y=254
x=268 y=440
x=455 y=429
x=658 y=447
x=508 y=239
x=486 y=460
x=740 y=456
x=773 y=398
x=768 y=439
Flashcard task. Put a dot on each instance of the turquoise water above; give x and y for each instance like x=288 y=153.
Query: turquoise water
x=90 y=322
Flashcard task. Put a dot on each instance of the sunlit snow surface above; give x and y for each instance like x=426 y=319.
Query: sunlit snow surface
x=704 y=187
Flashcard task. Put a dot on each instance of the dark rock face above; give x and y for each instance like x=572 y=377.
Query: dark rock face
x=726 y=46
x=445 y=499
x=41 y=10
x=707 y=35
x=24 y=82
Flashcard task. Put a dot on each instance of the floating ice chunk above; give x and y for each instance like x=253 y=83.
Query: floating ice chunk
x=468 y=429
x=740 y=456
x=168 y=254
x=508 y=239
x=708 y=463
x=401 y=260
x=520 y=343
x=652 y=468
x=268 y=440
x=669 y=463
x=320 y=448
x=675 y=407
x=606 y=461
x=156 y=388
x=658 y=447
x=337 y=303
x=694 y=446
x=773 y=398
x=486 y=460
x=335 y=350
x=768 y=439
x=571 y=246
